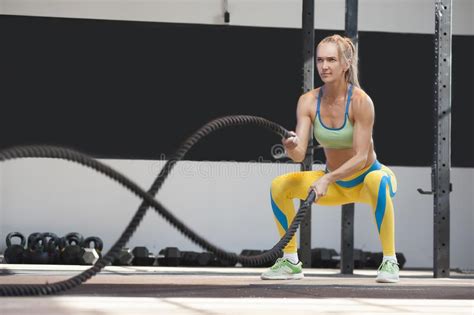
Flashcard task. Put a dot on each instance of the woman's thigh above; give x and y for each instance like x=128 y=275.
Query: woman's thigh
x=376 y=180
x=296 y=186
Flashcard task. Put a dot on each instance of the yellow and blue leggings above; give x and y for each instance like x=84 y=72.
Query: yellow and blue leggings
x=374 y=185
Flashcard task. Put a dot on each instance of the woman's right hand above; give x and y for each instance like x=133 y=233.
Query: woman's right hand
x=291 y=142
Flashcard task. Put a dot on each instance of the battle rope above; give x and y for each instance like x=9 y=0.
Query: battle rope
x=149 y=201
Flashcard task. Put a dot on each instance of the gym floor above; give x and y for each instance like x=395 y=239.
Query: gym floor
x=211 y=291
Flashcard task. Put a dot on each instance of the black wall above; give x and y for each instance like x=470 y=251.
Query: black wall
x=137 y=90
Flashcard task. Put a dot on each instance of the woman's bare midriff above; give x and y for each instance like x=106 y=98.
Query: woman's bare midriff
x=336 y=157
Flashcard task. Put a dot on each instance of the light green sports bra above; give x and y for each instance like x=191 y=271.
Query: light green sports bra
x=334 y=138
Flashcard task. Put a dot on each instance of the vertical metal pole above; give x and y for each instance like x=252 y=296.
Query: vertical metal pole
x=442 y=138
x=347 y=239
x=226 y=12
x=347 y=216
x=308 y=84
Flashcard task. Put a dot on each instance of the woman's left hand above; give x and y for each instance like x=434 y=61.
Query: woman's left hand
x=320 y=187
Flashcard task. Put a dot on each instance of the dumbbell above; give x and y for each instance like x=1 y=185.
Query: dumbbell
x=401 y=260
x=171 y=256
x=324 y=258
x=189 y=259
x=220 y=262
x=374 y=260
x=90 y=255
x=360 y=259
x=125 y=257
x=205 y=259
x=142 y=257
x=98 y=244
x=14 y=253
x=195 y=259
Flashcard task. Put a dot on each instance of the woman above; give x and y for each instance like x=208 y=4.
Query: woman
x=342 y=116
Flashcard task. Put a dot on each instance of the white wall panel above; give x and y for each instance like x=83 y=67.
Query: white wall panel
x=226 y=202
x=401 y=16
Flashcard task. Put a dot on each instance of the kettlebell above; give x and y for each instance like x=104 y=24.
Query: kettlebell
x=52 y=247
x=14 y=254
x=36 y=252
x=71 y=251
x=98 y=244
x=31 y=237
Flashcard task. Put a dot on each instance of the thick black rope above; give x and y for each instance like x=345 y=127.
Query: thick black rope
x=149 y=201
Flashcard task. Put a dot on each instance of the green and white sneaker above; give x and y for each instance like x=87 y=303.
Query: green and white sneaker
x=283 y=269
x=388 y=272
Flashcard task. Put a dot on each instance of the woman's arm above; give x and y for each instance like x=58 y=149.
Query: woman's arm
x=296 y=146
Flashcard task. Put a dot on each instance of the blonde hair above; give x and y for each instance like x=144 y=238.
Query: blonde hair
x=348 y=53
